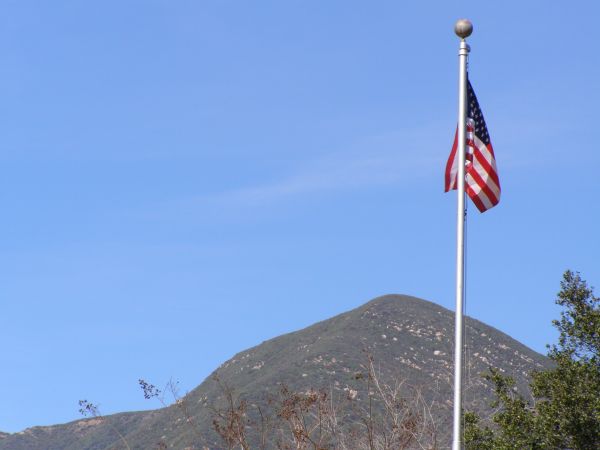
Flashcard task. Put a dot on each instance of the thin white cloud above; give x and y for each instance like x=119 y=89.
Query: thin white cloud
x=400 y=159
x=326 y=175
x=382 y=160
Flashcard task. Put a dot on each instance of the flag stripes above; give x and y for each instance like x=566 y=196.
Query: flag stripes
x=481 y=176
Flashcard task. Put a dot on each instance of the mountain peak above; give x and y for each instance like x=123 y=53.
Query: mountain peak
x=409 y=339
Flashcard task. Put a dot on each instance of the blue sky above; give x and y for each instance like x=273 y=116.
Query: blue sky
x=181 y=180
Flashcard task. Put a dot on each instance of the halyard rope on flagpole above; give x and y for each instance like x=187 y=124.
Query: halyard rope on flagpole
x=466 y=361
x=463 y=29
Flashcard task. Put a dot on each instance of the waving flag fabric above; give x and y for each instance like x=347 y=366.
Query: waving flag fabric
x=481 y=177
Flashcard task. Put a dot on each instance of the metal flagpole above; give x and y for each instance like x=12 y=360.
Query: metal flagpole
x=463 y=28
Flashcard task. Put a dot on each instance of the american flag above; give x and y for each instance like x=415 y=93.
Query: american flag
x=481 y=177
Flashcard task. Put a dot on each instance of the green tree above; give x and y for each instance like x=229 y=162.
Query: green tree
x=565 y=411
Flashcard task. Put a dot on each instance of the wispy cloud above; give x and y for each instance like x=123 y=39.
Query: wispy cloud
x=403 y=158
x=388 y=159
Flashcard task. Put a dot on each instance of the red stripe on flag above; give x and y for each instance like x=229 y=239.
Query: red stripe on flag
x=485 y=162
x=452 y=164
x=475 y=199
x=483 y=186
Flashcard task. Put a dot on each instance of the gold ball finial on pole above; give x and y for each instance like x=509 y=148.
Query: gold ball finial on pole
x=463 y=28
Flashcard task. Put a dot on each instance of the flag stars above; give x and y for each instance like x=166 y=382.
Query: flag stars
x=474 y=112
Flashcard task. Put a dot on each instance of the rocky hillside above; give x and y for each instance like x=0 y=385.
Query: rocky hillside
x=409 y=339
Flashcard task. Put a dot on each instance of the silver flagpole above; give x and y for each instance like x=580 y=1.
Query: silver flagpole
x=463 y=28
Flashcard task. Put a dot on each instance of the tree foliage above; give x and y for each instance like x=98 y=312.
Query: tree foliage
x=565 y=411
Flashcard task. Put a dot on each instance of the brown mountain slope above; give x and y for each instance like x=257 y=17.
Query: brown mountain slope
x=409 y=338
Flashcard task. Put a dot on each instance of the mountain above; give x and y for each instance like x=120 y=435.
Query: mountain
x=408 y=339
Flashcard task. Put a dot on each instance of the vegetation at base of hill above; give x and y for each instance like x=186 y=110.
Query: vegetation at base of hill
x=564 y=412
x=394 y=417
